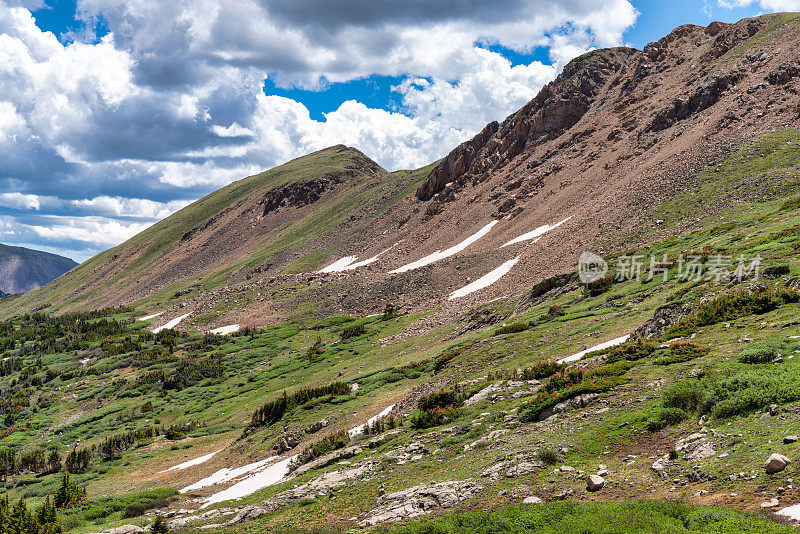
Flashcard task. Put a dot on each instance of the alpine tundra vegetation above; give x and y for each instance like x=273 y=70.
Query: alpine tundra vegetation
x=331 y=347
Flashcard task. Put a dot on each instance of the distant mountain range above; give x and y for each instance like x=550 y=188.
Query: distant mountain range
x=23 y=269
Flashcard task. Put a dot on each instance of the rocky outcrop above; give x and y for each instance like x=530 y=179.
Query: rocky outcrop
x=419 y=500
x=784 y=73
x=705 y=94
x=570 y=404
x=518 y=467
x=558 y=107
x=294 y=195
x=285 y=443
x=328 y=459
x=564 y=282
x=663 y=318
x=125 y=529
x=695 y=447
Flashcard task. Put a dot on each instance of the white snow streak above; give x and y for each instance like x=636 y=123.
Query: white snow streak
x=172 y=324
x=346 y=263
x=190 y=463
x=535 y=233
x=267 y=476
x=339 y=265
x=225 y=330
x=148 y=317
x=442 y=254
x=356 y=430
x=577 y=356
x=485 y=280
x=226 y=474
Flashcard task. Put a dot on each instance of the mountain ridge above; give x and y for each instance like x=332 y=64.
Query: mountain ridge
x=618 y=132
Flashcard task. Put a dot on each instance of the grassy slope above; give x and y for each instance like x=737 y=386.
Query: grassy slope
x=76 y=291
x=258 y=368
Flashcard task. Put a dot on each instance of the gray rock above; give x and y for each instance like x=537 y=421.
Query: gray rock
x=595 y=483
x=695 y=446
x=776 y=463
x=563 y=495
x=419 y=500
x=248 y=513
x=484 y=394
x=789 y=439
x=533 y=499
x=772 y=503
x=316 y=427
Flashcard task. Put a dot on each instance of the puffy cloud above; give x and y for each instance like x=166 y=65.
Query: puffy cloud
x=101 y=137
x=767 y=5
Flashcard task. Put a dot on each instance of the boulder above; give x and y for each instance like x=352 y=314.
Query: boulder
x=595 y=483
x=789 y=439
x=533 y=499
x=772 y=503
x=776 y=463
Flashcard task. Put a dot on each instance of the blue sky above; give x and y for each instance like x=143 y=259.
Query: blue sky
x=116 y=113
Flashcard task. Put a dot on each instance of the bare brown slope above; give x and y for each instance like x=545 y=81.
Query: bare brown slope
x=618 y=132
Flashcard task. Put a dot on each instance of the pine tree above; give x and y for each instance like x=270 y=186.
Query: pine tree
x=159 y=526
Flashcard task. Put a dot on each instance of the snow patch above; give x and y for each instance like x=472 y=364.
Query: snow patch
x=190 y=463
x=171 y=324
x=442 y=254
x=577 y=356
x=339 y=265
x=227 y=475
x=485 y=280
x=346 y=263
x=268 y=475
x=356 y=430
x=792 y=512
x=225 y=330
x=148 y=317
x=534 y=234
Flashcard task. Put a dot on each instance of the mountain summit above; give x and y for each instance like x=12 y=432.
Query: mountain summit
x=23 y=269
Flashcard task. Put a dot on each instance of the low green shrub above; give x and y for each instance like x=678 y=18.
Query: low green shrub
x=686 y=395
x=511 y=328
x=683 y=351
x=775 y=271
x=352 y=331
x=433 y=417
x=541 y=370
x=547 y=456
x=763 y=352
x=731 y=306
x=665 y=417
x=631 y=350
x=628 y=517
